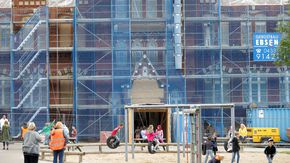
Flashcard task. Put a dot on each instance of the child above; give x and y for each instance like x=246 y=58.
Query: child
x=151 y=136
x=159 y=132
x=270 y=150
x=216 y=159
x=116 y=130
x=23 y=130
x=214 y=141
x=209 y=149
x=74 y=132
x=236 y=148
x=143 y=134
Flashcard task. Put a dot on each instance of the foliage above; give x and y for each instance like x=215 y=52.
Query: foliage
x=284 y=47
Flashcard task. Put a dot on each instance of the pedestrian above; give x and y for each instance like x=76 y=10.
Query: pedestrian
x=243 y=133
x=57 y=144
x=235 y=148
x=2 y=120
x=217 y=159
x=209 y=149
x=5 y=134
x=30 y=145
x=214 y=141
x=24 y=129
x=270 y=151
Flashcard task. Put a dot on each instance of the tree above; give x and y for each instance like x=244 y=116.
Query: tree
x=284 y=47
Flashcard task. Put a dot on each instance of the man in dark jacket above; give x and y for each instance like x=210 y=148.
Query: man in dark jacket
x=236 y=148
x=270 y=150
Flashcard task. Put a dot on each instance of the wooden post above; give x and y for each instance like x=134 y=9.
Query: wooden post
x=100 y=148
x=80 y=158
x=42 y=155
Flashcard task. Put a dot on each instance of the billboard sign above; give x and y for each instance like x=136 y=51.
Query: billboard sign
x=265 y=46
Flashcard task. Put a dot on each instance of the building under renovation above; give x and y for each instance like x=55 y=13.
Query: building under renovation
x=81 y=61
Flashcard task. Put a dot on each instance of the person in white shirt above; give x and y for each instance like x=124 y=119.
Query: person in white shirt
x=2 y=120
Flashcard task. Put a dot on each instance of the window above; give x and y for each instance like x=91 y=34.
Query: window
x=225 y=33
x=37 y=3
x=20 y=3
x=260 y=27
x=246 y=33
x=151 y=8
x=121 y=8
x=5 y=37
x=26 y=3
x=137 y=9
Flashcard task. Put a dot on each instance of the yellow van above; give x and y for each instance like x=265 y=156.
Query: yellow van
x=261 y=135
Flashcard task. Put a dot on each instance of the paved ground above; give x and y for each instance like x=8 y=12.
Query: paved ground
x=13 y=155
x=252 y=155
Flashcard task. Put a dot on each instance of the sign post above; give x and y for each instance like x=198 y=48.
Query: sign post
x=265 y=46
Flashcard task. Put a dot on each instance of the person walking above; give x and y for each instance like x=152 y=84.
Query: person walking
x=30 y=145
x=270 y=151
x=2 y=120
x=236 y=148
x=209 y=149
x=214 y=141
x=5 y=134
x=57 y=144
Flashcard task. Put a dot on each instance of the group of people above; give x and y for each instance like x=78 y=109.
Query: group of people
x=57 y=136
x=148 y=134
x=57 y=142
x=210 y=146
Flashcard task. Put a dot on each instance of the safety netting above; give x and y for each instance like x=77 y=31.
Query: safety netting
x=253 y=2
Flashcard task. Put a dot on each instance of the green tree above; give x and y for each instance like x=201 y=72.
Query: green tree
x=284 y=48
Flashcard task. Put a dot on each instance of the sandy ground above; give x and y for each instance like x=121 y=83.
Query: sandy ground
x=248 y=155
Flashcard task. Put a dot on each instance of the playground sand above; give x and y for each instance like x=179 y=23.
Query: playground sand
x=245 y=157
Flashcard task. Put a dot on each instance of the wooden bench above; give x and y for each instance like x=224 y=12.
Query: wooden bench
x=44 y=151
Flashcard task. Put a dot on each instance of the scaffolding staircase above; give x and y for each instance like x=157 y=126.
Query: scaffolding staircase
x=30 y=77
